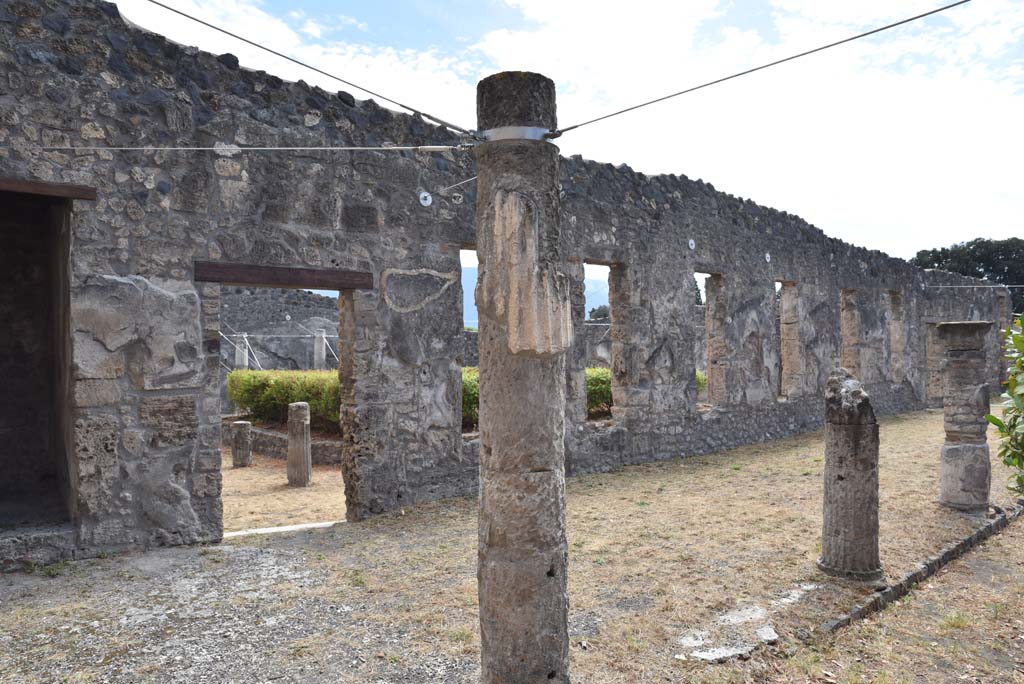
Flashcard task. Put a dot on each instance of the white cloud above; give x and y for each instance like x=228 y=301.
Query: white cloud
x=898 y=142
x=313 y=29
x=347 y=21
x=858 y=140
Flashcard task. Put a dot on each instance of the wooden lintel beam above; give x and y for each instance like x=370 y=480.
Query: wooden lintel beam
x=282 y=276
x=62 y=190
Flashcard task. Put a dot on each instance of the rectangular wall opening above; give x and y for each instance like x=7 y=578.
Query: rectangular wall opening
x=469 y=407
x=790 y=358
x=897 y=338
x=36 y=485
x=711 y=294
x=849 y=332
x=596 y=340
x=295 y=335
x=933 y=365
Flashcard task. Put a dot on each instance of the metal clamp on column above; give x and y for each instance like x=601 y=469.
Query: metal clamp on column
x=515 y=133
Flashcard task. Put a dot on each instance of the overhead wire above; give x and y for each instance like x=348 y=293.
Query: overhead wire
x=561 y=131
x=234 y=149
x=293 y=60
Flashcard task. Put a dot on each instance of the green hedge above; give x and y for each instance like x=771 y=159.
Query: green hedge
x=702 y=381
x=265 y=395
x=599 y=392
x=470 y=398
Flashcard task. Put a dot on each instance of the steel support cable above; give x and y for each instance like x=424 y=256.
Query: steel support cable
x=423 y=114
x=234 y=149
x=560 y=131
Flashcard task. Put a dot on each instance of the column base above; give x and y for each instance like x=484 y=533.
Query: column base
x=856 y=575
x=966 y=477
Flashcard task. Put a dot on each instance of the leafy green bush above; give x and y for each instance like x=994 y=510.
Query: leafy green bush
x=1011 y=425
x=599 y=392
x=470 y=398
x=702 y=382
x=265 y=395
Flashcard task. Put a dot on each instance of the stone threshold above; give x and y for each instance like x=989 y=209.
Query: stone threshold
x=283 y=528
x=883 y=597
x=23 y=548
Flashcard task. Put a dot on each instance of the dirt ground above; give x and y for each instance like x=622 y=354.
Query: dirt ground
x=661 y=557
x=259 y=496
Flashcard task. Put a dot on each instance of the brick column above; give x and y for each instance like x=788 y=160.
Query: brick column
x=966 y=477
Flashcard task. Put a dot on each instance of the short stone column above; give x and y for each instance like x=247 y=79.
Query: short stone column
x=300 y=453
x=849 y=533
x=241 y=444
x=320 y=350
x=241 y=352
x=966 y=476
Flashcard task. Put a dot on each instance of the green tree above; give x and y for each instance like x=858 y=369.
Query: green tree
x=599 y=312
x=1001 y=261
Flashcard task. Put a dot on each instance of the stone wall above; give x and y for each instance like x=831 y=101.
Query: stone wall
x=274 y=444
x=146 y=447
x=594 y=338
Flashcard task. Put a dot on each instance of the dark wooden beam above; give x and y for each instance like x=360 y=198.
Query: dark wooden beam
x=282 y=276
x=62 y=190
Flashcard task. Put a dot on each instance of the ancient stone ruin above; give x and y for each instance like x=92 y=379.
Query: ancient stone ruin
x=113 y=264
x=849 y=536
x=966 y=475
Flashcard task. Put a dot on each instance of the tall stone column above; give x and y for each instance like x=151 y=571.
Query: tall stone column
x=300 y=448
x=522 y=297
x=966 y=475
x=241 y=353
x=241 y=444
x=320 y=350
x=849 y=533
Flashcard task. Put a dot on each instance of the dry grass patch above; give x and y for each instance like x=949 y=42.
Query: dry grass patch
x=259 y=496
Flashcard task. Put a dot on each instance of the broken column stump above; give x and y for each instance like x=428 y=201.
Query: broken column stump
x=320 y=350
x=522 y=297
x=849 y=533
x=241 y=444
x=300 y=452
x=242 y=352
x=966 y=474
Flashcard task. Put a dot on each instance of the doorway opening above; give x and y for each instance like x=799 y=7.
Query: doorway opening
x=286 y=336
x=37 y=487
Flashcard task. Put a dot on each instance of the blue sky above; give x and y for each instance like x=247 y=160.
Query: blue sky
x=903 y=141
x=407 y=24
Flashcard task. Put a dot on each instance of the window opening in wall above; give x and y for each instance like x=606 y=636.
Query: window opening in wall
x=470 y=406
x=1002 y=311
x=897 y=338
x=788 y=322
x=933 y=365
x=849 y=331
x=711 y=348
x=36 y=485
x=596 y=342
x=280 y=346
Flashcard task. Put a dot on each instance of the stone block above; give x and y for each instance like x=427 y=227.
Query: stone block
x=966 y=476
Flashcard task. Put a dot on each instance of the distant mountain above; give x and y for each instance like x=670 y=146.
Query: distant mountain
x=596 y=293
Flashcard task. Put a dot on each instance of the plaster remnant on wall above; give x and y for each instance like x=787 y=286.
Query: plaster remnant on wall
x=519 y=286
x=408 y=290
